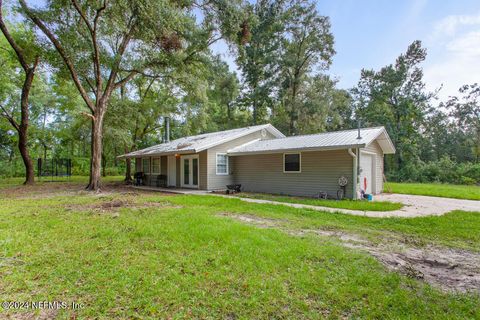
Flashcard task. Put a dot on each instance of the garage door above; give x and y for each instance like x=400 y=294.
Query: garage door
x=366 y=173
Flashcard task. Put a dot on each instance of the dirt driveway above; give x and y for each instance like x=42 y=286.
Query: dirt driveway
x=416 y=206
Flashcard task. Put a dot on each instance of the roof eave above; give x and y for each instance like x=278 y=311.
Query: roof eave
x=156 y=154
x=269 y=127
x=391 y=146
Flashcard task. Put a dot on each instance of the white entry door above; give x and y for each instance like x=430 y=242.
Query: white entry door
x=189 y=171
x=366 y=174
x=172 y=171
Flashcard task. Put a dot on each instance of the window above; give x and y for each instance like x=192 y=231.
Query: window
x=146 y=165
x=291 y=162
x=156 y=165
x=186 y=171
x=222 y=164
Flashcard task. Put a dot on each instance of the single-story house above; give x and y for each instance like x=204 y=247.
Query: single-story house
x=262 y=159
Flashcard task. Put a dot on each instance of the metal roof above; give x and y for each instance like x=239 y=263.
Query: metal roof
x=322 y=141
x=194 y=144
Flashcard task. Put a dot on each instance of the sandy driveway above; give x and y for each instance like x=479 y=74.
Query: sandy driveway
x=426 y=206
x=415 y=206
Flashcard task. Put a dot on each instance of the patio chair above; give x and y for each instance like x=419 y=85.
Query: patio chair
x=162 y=181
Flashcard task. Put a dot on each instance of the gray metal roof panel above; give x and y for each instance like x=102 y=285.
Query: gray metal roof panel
x=200 y=142
x=327 y=140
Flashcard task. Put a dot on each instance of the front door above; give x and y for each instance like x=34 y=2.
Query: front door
x=366 y=172
x=189 y=171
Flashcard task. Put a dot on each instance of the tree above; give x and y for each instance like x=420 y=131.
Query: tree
x=259 y=57
x=466 y=114
x=395 y=97
x=323 y=107
x=307 y=48
x=99 y=41
x=147 y=101
x=28 y=60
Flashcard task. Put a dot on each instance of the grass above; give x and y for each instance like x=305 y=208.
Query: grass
x=17 y=181
x=179 y=259
x=436 y=190
x=457 y=229
x=342 y=204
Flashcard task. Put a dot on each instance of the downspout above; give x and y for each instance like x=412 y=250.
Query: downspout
x=355 y=173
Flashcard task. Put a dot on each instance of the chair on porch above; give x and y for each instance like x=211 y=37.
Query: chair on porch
x=162 y=181
x=139 y=178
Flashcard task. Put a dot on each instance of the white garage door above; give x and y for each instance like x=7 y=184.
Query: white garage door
x=366 y=173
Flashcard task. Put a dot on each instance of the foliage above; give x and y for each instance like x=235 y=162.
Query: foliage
x=395 y=97
x=282 y=49
x=444 y=170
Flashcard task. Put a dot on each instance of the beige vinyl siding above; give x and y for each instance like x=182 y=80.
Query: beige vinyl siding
x=219 y=182
x=320 y=171
x=163 y=165
x=202 y=174
x=375 y=148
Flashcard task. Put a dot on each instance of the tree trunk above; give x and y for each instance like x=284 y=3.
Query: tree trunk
x=96 y=157
x=128 y=167
x=27 y=161
x=255 y=115
x=23 y=128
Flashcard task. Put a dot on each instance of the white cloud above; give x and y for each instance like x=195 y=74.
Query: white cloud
x=456 y=55
x=468 y=44
x=449 y=25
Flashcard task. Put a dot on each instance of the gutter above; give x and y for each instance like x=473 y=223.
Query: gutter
x=355 y=172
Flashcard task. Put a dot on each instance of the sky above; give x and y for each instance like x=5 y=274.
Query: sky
x=373 y=33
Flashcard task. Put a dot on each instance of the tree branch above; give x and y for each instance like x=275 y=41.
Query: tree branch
x=62 y=53
x=10 y=118
x=129 y=77
x=88 y=115
x=18 y=51
x=82 y=15
x=96 y=51
x=118 y=57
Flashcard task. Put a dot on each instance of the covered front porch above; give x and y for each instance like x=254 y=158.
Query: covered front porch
x=170 y=171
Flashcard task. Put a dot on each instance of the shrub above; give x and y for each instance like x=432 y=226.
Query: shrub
x=444 y=170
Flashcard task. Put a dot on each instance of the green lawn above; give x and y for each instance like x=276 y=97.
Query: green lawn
x=456 y=229
x=17 y=181
x=435 y=190
x=163 y=256
x=343 y=204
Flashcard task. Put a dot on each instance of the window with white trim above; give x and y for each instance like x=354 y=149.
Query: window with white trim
x=292 y=162
x=222 y=164
x=146 y=165
x=156 y=165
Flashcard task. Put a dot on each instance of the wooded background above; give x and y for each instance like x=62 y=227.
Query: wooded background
x=90 y=80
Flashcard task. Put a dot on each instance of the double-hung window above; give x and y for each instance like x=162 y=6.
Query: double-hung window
x=292 y=163
x=222 y=164
x=156 y=166
x=146 y=165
